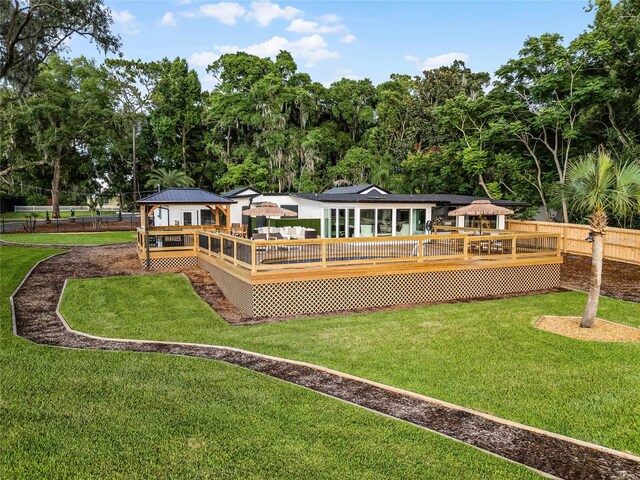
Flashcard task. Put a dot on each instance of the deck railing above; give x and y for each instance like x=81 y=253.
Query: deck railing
x=268 y=255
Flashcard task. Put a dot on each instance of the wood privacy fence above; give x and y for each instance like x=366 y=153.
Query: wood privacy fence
x=620 y=244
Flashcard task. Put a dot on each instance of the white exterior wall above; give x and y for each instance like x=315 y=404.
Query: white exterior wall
x=167 y=215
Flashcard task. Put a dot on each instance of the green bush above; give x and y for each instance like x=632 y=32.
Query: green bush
x=37 y=199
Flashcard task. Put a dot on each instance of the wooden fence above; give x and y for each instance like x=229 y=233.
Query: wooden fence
x=620 y=244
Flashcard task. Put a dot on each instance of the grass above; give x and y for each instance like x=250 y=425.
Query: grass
x=99 y=238
x=483 y=355
x=90 y=414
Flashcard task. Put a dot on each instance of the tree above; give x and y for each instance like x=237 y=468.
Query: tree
x=34 y=29
x=595 y=186
x=133 y=84
x=68 y=109
x=177 y=109
x=163 y=178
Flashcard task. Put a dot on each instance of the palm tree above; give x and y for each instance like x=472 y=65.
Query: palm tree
x=596 y=185
x=163 y=178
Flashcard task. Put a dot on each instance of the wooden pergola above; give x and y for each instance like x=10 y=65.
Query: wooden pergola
x=186 y=196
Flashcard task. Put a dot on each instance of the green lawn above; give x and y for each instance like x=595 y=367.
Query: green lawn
x=484 y=355
x=89 y=414
x=99 y=238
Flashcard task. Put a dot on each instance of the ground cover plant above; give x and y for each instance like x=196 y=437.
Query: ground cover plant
x=89 y=414
x=99 y=238
x=484 y=355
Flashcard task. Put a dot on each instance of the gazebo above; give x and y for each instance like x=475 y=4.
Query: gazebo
x=183 y=207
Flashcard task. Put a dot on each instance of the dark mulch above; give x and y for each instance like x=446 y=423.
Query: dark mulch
x=64 y=226
x=36 y=320
x=619 y=279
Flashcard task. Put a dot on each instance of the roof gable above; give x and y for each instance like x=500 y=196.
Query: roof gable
x=364 y=189
x=240 y=192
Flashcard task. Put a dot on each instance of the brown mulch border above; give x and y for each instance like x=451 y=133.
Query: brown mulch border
x=35 y=318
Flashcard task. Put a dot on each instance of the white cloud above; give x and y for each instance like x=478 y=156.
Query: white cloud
x=225 y=12
x=347 y=73
x=311 y=49
x=203 y=59
x=348 y=38
x=265 y=12
x=168 y=19
x=306 y=26
x=126 y=20
x=438 y=61
x=329 y=18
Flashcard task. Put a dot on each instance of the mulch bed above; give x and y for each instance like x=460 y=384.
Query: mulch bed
x=619 y=279
x=36 y=320
x=602 y=331
x=68 y=227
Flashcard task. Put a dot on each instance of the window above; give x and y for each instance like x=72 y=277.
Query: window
x=206 y=217
x=403 y=221
x=419 y=218
x=367 y=222
x=385 y=225
x=187 y=220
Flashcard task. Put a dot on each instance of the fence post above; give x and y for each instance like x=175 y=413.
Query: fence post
x=421 y=250
x=564 y=239
x=465 y=247
x=513 y=247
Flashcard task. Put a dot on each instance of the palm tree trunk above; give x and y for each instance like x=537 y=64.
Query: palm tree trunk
x=591 y=309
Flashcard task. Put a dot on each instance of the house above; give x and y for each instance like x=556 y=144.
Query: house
x=186 y=207
x=367 y=210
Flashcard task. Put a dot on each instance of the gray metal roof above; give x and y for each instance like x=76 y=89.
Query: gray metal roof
x=353 y=189
x=438 y=199
x=184 y=195
x=236 y=191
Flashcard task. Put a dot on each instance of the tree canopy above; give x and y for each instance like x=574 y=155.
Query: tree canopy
x=268 y=125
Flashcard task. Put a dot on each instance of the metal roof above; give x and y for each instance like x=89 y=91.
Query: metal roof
x=438 y=199
x=353 y=189
x=184 y=195
x=236 y=191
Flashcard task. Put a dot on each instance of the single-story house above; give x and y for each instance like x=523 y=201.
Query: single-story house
x=367 y=210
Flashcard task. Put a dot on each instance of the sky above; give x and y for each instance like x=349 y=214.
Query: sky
x=335 y=39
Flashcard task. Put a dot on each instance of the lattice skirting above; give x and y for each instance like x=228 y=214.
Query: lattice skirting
x=172 y=262
x=334 y=294
x=317 y=296
x=237 y=291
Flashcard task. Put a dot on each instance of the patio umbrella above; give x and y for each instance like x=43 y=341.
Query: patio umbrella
x=267 y=209
x=481 y=208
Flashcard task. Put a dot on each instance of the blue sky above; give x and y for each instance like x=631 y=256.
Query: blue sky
x=335 y=39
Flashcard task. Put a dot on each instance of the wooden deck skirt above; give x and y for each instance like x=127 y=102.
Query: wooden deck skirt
x=262 y=283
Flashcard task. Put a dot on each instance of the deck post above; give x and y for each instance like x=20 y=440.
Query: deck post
x=254 y=267
x=421 y=250
x=147 y=263
x=323 y=253
x=235 y=251
x=513 y=247
x=465 y=247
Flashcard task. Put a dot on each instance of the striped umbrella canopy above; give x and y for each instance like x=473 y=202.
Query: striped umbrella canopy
x=268 y=209
x=481 y=208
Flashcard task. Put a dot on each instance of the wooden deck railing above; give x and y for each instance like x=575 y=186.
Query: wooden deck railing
x=269 y=255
